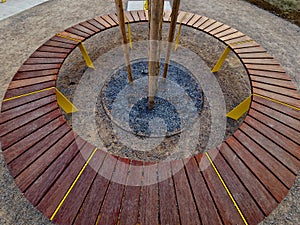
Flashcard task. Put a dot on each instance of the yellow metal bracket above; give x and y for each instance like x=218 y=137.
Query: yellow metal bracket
x=64 y=103
x=240 y=110
x=224 y=55
x=129 y=32
x=85 y=55
x=83 y=50
x=221 y=60
x=146 y=5
x=179 y=32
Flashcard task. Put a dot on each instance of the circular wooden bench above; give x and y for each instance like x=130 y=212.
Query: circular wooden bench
x=251 y=174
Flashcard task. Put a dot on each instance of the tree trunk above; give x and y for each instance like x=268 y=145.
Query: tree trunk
x=157 y=9
x=120 y=12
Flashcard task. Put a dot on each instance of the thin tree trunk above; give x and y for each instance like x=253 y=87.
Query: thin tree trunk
x=157 y=9
x=172 y=30
x=120 y=12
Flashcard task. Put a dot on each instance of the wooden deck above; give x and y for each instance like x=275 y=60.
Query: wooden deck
x=249 y=176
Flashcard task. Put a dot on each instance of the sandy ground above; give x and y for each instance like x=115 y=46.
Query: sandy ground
x=24 y=32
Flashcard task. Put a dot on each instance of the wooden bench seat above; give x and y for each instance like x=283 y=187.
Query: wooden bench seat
x=72 y=182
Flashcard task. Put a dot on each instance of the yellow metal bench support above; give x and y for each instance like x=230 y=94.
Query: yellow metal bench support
x=85 y=55
x=64 y=103
x=240 y=110
x=179 y=32
x=221 y=60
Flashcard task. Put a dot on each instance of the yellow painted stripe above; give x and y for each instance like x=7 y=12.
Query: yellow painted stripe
x=30 y=93
x=69 y=38
x=240 y=42
x=279 y=102
x=73 y=184
x=226 y=188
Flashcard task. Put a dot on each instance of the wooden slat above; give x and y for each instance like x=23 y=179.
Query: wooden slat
x=96 y=24
x=30 y=140
x=135 y=16
x=186 y=205
x=33 y=74
x=71 y=206
x=213 y=26
x=92 y=203
x=45 y=48
x=103 y=22
x=111 y=206
x=55 y=194
x=277 y=89
x=71 y=36
x=30 y=174
x=272 y=184
x=114 y=17
x=274 y=68
x=15 y=123
x=206 y=24
x=237 y=40
x=261 y=61
x=42 y=54
x=219 y=29
x=44 y=61
x=276 y=137
x=64 y=40
x=60 y=44
x=269 y=74
x=28 y=89
x=90 y=26
x=277 y=115
x=264 y=199
x=84 y=29
x=130 y=204
x=17 y=135
x=129 y=17
x=209 y=213
x=142 y=15
x=149 y=197
x=244 y=200
x=31 y=81
x=109 y=20
x=34 y=67
x=279 y=107
x=26 y=99
x=274 y=82
x=167 y=198
x=188 y=17
x=226 y=208
x=248 y=44
x=226 y=33
x=253 y=50
x=202 y=20
x=194 y=20
x=166 y=18
x=77 y=32
x=279 y=170
x=278 y=126
x=232 y=36
x=23 y=109
x=40 y=187
x=30 y=155
x=277 y=96
x=279 y=153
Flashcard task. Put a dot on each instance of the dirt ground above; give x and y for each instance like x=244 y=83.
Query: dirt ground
x=24 y=32
x=289 y=10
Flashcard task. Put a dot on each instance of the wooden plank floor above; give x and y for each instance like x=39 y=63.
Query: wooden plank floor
x=72 y=182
